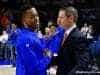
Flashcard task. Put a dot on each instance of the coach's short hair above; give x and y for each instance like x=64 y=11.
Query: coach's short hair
x=71 y=11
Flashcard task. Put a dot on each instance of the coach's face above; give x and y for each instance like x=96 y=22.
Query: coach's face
x=64 y=20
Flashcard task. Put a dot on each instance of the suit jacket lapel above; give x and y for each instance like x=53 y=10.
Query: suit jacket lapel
x=69 y=36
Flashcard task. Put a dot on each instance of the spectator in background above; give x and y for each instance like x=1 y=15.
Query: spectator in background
x=90 y=32
x=52 y=29
x=50 y=23
x=8 y=31
x=6 y=24
x=6 y=49
x=85 y=29
x=47 y=32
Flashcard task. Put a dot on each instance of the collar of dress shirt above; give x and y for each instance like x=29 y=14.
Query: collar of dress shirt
x=70 y=29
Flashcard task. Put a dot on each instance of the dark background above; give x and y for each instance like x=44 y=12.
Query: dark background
x=48 y=10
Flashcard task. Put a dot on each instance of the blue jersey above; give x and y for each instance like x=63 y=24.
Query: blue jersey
x=31 y=59
x=30 y=54
x=54 y=42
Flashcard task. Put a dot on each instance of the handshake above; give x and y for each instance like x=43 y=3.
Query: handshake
x=49 y=53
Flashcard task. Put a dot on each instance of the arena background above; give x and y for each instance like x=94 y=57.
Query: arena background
x=48 y=10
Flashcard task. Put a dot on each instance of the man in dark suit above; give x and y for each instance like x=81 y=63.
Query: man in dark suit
x=73 y=55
